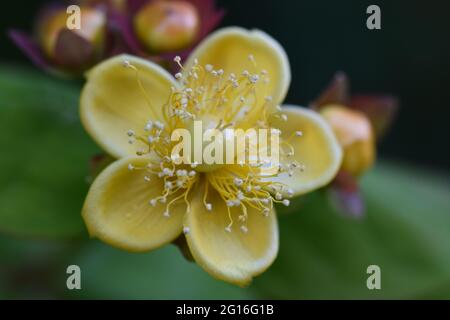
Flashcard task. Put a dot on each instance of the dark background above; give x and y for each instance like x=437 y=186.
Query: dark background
x=409 y=57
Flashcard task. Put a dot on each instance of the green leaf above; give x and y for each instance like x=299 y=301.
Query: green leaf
x=108 y=273
x=406 y=233
x=45 y=155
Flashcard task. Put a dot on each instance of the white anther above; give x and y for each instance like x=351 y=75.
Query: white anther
x=168 y=185
x=276 y=132
x=286 y=202
x=266 y=212
x=254 y=78
x=178 y=75
x=230 y=203
x=130 y=133
x=248 y=188
x=228 y=229
x=130 y=167
x=159 y=125
x=244 y=229
x=166 y=214
x=208 y=67
x=181 y=173
x=126 y=63
x=147 y=178
x=148 y=126
x=192 y=173
x=186 y=230
x=290 y=192
x=238 y=182
x=298 y=133
x=269 y=98
x=131 y=141
x=177 y=59
x=278 y=196
x=208 y=206
x=153 y=202
x=194 y=165
x=284 y=117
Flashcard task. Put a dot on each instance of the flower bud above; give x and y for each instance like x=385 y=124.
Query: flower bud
x=164 y=26
x=72 y=48
x=355 y=135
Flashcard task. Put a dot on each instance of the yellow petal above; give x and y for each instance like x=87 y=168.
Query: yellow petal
x=229 y=49
x=230 y=256
x=117 y=209
x=317 y=149
x=112 y=101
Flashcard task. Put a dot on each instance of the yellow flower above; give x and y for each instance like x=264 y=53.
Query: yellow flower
x=234 y=78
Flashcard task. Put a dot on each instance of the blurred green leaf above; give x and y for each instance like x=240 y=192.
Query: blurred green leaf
x=28 y=267
x=108 y=273
x=406 y=232
x=45 y=155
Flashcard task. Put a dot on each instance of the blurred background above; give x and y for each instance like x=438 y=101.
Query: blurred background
x=323 y=254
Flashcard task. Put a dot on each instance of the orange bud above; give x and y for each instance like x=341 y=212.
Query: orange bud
x=167 y=25
x=354 y=133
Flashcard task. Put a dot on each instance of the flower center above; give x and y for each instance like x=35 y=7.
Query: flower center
x=220 y=101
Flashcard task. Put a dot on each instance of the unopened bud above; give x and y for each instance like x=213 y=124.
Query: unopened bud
x=167 y=25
